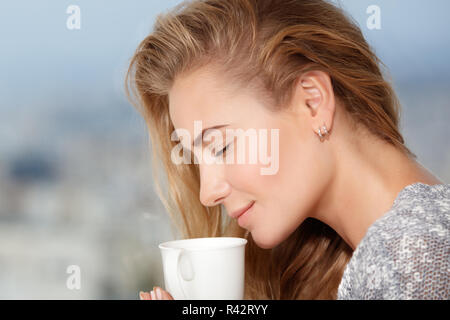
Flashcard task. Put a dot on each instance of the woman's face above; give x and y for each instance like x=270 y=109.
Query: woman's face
x=283 y=199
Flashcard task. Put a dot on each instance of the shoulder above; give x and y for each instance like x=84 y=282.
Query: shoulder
x=420 y=211
x=404 y=254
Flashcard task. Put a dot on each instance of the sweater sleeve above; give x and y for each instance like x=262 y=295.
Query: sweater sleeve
x=410 y=266
x=421 y=265
x=406 y=253
x=369 y=274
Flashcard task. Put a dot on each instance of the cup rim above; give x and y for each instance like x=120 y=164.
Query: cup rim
x=166 y=245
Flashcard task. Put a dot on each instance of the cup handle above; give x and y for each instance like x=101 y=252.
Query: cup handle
x=188 y=274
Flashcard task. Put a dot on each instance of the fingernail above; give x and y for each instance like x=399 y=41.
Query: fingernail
x=158 y=293
x=140 y=295
x=152 y=294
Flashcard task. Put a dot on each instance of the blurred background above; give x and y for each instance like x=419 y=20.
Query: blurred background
x=75 y=179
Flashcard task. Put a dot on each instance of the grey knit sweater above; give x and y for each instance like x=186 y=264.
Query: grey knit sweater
x=405 y=254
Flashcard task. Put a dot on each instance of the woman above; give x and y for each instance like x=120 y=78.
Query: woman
x=349 y=212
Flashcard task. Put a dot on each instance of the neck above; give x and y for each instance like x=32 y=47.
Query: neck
x=368 y=177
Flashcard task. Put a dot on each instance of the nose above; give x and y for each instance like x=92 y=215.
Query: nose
x=213 y=186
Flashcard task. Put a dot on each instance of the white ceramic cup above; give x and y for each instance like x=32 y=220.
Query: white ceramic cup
x=204 y=268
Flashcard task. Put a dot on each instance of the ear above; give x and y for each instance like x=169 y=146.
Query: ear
x=317 y=97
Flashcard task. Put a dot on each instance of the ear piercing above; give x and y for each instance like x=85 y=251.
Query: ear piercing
x=322 y=132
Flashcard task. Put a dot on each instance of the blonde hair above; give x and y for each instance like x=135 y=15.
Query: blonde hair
x=269 y=43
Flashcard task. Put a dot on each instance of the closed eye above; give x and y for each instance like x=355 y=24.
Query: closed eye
x=222 y=151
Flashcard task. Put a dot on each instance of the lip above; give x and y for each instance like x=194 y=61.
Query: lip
x=240 y=212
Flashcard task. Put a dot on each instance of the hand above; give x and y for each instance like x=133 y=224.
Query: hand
x=156 y=294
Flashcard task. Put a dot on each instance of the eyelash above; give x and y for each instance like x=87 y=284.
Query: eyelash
x=222 y=151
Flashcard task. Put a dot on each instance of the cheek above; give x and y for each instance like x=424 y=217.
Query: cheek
x=246 y=179
x=293 y=186
x=244 y=175
x=300 y=181
x=285 y=199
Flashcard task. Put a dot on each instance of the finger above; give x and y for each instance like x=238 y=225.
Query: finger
x=167 y=296
x=164 y=294
x=144 y=295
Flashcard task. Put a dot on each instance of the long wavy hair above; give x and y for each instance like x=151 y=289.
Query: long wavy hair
x=270 y=43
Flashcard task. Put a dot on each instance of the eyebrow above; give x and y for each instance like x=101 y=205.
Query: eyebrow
x=200 y=136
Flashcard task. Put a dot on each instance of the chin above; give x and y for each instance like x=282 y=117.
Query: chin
x=265 y=241
x=268 y=239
